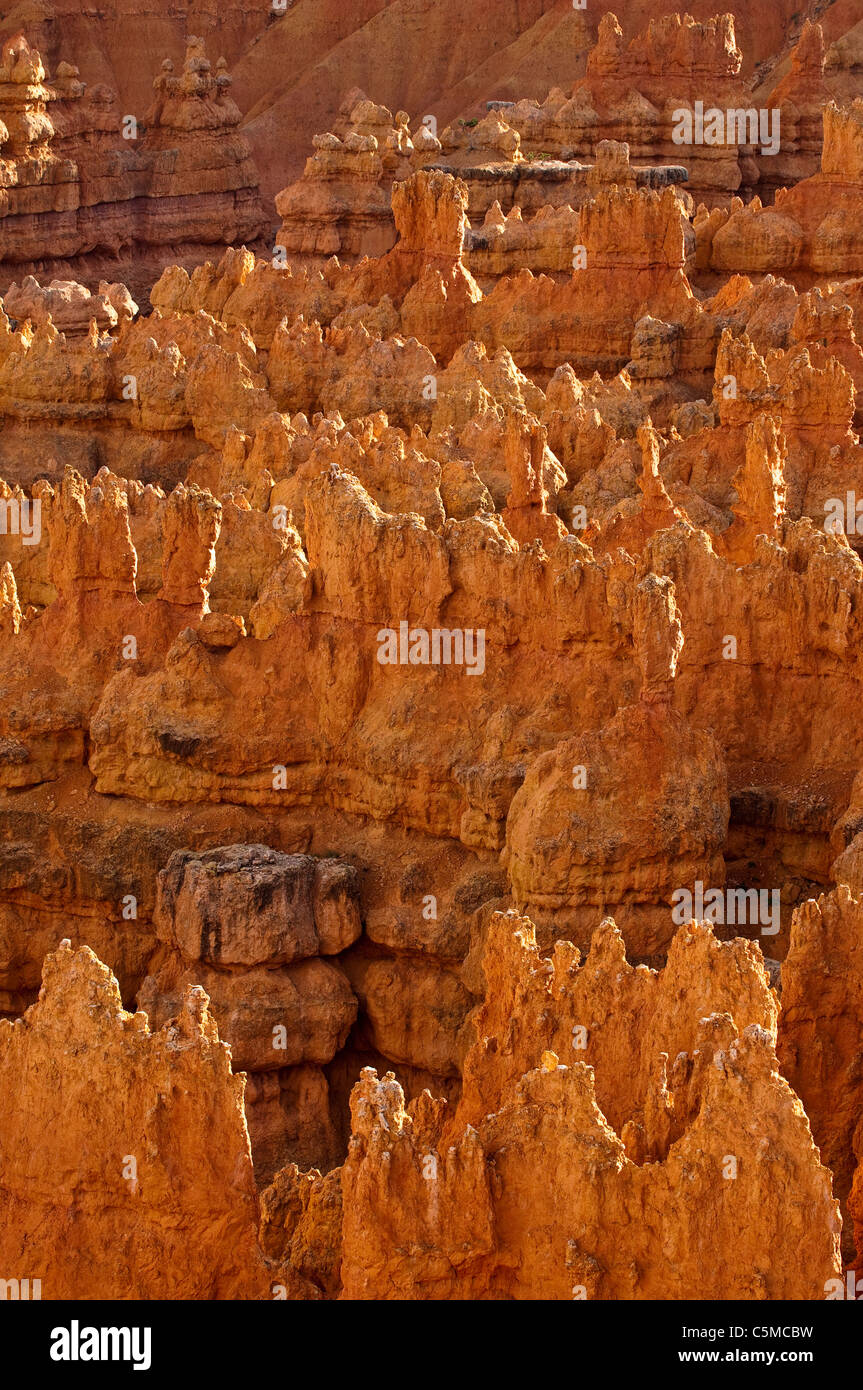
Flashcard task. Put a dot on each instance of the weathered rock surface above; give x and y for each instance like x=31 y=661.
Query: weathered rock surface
x=399 y=613
x=124 y=1152
x=83 y=185
x=249 y=905
x=821 y=1034
x=516 y=1203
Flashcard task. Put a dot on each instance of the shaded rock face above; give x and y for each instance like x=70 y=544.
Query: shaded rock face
x=576 y=817
x=312 y=1003
x=821 y=1038
x=248 y=905
x=251 y=925
x=430 y=661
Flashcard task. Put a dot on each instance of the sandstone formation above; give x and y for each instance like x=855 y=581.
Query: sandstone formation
x=152 y=1194
x=820 y=1038
x=86 y=185
x=431 y=605
x=514 y=1203
x=810 y=229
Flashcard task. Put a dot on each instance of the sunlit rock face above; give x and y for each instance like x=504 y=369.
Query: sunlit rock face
x=431 y=772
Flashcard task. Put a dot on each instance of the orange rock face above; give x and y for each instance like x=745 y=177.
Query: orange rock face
x=431 y=605
x=85 y=184
x=819 y=1042
x=147 y=1125
x=521 y=1201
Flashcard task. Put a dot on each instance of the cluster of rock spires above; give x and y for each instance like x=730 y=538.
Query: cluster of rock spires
x=528 y=166
x=85 y=185
x=333 y=968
